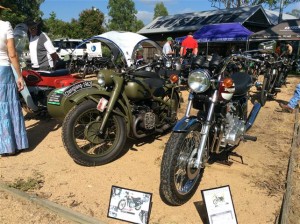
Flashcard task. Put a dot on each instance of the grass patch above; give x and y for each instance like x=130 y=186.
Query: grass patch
x=35 y=182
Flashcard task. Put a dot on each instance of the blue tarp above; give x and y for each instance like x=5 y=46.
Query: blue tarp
x=222 y=32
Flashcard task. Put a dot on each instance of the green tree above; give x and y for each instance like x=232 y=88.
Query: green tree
x=122 y=15
x=160 y=10
x=138 y=25
x=272 y=4
x=90 y=22
x=21 y=10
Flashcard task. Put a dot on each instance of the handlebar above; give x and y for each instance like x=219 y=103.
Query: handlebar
x=247 y=58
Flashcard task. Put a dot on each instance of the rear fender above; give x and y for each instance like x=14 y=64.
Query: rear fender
x=185 y=123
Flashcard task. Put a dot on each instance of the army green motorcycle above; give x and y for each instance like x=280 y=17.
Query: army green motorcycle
x=99 y=115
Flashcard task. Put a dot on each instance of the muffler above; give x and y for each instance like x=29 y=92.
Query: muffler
x=253 y=115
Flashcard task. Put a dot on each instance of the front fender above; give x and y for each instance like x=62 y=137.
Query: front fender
x=59 y=105
x=185 y=123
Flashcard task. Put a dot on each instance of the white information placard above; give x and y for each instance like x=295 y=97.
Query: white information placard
x=219 y=205
x=129 y=205
x=94 y=49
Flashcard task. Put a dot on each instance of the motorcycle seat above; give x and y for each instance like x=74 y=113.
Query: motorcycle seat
x=242 y=82
x=55 y=73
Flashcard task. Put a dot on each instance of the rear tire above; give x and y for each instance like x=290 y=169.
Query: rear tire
x=83 y=142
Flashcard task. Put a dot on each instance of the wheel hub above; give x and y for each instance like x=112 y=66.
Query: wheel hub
x=91 y=132
x=192 y=171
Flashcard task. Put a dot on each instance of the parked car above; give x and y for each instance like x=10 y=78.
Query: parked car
x=69 y=47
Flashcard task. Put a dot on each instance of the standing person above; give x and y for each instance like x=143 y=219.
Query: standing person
x=167 y=48
x=42 y=52
x=13 y=136
x=189 y=43
x=293 y=101
x=288 y=50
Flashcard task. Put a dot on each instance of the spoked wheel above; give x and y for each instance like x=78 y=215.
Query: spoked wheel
x=82 y=140
x=122 y=204
x=178 y=178
x=171 y=107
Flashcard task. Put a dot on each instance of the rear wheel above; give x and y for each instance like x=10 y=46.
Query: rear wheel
x=82 y=140
x=122 y=204
x=178 y=178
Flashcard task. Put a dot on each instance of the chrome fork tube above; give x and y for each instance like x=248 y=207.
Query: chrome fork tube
x=205 y=131
x=189 y=105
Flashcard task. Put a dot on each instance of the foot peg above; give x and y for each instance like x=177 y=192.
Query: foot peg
x=277 y=90
x=250 y=138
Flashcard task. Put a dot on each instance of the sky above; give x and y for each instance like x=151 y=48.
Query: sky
x=67 y=9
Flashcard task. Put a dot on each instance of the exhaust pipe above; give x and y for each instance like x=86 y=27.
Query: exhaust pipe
x=253 y=115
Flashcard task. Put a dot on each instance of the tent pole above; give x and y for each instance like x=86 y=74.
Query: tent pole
x=206 y=48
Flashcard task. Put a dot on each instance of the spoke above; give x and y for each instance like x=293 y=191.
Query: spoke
x=83 y=142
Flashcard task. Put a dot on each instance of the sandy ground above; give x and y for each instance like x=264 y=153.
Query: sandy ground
x=257 y=186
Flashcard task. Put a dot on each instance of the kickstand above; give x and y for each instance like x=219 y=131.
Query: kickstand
x=237 y=155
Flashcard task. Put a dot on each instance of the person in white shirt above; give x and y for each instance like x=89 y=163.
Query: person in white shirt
x=167 y=48
x=42 y=52
x=13 y=135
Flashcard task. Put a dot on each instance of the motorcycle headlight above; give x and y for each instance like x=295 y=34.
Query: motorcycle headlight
x=199 y=80
x=168 y=64
x=101 y=79
x=105 y=77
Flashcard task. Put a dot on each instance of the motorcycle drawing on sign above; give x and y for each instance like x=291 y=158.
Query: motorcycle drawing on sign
x=130 y=202
x=38 y=83
x=220 y=98
x=125 y=102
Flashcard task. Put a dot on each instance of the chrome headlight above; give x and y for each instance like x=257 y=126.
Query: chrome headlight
x=101 y=79
x=199 y=80
x=168 y=64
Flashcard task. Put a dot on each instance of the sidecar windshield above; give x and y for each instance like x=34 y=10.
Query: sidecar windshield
x=21 y=38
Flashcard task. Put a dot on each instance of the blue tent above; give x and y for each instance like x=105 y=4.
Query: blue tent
x=222 y=32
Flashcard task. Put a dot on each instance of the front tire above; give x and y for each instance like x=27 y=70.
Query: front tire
x=178 y=179
x=264 y=91
x=82 y=140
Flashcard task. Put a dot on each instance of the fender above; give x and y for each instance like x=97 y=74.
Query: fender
x=59 y=105
x=185 y=123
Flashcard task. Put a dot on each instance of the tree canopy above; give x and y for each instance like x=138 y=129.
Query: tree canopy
x=160 y=10
x=21 y=10
x=122 y=15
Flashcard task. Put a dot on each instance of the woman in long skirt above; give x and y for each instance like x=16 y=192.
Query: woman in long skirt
x=13 y=136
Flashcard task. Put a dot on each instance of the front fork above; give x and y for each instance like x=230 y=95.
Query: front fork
x=113 y=99
x=198 y=163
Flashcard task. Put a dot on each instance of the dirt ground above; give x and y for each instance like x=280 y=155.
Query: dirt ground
x=257 y=186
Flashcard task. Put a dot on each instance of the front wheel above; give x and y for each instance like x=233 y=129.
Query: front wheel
x=179 y=179
x=264 y=91
x=82 y=140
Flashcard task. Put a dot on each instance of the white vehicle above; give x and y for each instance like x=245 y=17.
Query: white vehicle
x=69 y=47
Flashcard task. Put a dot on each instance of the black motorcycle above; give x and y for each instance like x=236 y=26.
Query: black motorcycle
x=221 y=98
